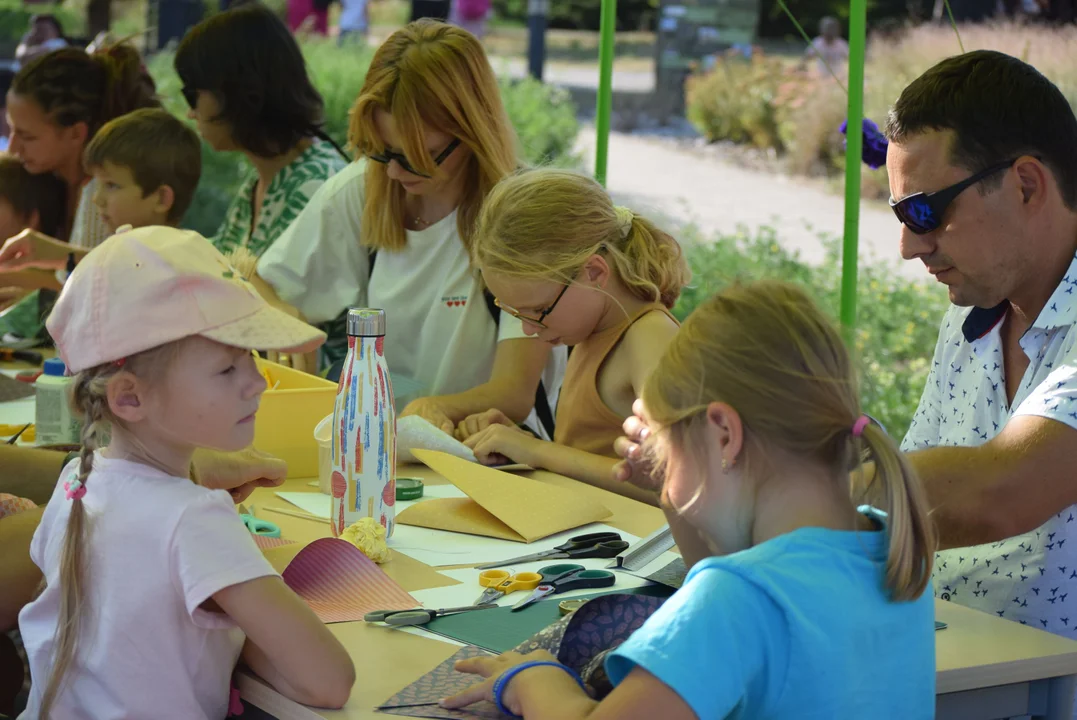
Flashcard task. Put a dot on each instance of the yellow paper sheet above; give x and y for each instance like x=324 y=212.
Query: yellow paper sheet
x=499 y=505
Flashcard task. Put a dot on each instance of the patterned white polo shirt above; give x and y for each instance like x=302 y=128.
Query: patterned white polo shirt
x=1032 y=578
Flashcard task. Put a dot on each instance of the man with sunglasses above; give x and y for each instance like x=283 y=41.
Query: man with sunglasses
x=983 y=170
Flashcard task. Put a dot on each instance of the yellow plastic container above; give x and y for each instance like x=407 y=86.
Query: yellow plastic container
x=292 y=406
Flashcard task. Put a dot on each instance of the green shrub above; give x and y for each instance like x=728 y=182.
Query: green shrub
x=543 y=117
x=898 y=318
x=767 y=103
x=15 y=20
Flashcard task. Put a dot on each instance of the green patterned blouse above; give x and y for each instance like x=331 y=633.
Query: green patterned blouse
x=285 y=198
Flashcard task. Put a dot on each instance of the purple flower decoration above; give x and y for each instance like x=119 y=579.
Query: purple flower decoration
x=873 y=152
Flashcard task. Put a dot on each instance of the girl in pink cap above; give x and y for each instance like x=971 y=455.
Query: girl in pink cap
x=154 y=588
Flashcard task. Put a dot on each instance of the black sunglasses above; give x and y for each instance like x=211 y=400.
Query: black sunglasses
x=387 y=156
x=922 y=212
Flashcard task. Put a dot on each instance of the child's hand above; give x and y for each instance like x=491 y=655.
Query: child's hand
x=491 y=668
x=430 y=410
x=498 y=443
x=239 y=473
x=635 y=468
x=473 y=424
x=31 y=249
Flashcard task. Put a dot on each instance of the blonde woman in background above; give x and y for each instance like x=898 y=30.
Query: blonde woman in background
x=394 y=231
x=577 y=271
x=804 y=603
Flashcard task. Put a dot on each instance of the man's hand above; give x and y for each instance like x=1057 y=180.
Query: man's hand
x=240 y=473
x=635 y=468
x=32 y=249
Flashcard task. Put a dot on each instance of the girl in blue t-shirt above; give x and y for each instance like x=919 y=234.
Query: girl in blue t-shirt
x=808 y=598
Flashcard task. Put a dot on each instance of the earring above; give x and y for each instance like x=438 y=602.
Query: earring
x=725 y=464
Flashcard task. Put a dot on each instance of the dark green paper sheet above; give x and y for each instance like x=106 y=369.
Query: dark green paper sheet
x=501 y=630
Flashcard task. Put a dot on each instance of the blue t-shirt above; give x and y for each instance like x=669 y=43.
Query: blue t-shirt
x=798 y=627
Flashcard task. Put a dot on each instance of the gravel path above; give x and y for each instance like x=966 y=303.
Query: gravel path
x=665 y=178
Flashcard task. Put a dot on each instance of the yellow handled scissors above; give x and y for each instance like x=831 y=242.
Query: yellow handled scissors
x=501 y=582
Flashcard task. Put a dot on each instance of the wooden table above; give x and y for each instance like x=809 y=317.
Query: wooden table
x=987 y=668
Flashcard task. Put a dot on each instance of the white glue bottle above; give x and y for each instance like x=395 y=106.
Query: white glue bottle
x=55 y=423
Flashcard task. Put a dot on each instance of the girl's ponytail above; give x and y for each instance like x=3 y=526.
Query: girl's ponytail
x=653 y=265
x=127 y=84
x=89 y=399
x=896 y=489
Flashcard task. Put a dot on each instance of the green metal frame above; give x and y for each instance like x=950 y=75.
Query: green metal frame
x=854 y=139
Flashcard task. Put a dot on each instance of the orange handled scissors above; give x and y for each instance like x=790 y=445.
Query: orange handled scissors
x=501 y=582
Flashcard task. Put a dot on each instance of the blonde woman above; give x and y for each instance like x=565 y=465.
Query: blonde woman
x=577 y=271
x=818 y=606
x=394 y=230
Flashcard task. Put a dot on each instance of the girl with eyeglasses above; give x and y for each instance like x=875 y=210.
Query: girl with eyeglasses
x=581 y=272
x=255 y=97
x=394 y=231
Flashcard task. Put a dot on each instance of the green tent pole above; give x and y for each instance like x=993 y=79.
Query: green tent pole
x=853 y=148
x=605 y=87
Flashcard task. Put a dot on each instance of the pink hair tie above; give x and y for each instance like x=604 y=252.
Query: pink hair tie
x=75 y=490
x=860 y=424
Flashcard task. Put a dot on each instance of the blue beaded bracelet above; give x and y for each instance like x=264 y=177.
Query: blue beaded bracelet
x=503 y=681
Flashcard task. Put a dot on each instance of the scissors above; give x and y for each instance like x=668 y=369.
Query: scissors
x=575 y=579
x=418 y=616
x=593 y=545
x=500 y=582
x=256 y=526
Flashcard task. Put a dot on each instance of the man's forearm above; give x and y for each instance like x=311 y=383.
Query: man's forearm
x=970 y=493
x=30 y=473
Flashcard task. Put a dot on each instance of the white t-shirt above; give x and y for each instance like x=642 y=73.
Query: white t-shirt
x=440 y=337
x=157 y=547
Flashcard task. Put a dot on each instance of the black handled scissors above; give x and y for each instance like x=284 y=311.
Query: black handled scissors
x=592 y=545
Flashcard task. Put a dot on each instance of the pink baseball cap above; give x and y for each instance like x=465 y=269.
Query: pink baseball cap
x=143 y=288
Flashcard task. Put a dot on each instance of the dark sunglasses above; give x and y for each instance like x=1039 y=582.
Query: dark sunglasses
x=190 y=95
x=527 y=318
x=922 y=212
x=387 y=156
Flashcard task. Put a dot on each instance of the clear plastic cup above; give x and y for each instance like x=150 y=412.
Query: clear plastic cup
x=323 y=435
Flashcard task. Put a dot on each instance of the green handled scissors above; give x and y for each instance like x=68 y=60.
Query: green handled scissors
x=574 y=577
x=418 y=616
x=257 y=526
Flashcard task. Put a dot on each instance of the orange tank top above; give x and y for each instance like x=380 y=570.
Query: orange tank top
x=584 y=421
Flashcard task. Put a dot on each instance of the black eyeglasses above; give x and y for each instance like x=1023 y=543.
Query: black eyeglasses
x=922 y=212
x=190 y=95
x=387 y=156
x=527 y=318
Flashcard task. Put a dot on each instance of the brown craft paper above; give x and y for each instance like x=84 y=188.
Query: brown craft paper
x=498 y=504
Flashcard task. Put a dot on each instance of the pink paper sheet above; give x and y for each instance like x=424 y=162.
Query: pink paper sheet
x=341 y=584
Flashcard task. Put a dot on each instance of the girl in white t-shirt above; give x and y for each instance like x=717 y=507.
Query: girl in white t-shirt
x=435 y=139
x=154 y=588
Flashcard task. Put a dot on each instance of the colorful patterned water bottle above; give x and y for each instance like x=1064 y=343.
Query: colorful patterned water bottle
x=364 y=428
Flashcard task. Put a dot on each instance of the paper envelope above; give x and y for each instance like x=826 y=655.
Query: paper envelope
x=498 y=504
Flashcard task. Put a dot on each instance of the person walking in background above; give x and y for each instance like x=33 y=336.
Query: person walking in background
x=309 y=15
x=470 y=15
x=829 y=50
x=354 y=21
x=45 y=35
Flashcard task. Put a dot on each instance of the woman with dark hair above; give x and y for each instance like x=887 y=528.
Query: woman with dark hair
x=246 y=81
x=56 y=104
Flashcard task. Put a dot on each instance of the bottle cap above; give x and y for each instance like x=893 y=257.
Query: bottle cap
x=366 y=322
x=55 y=367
